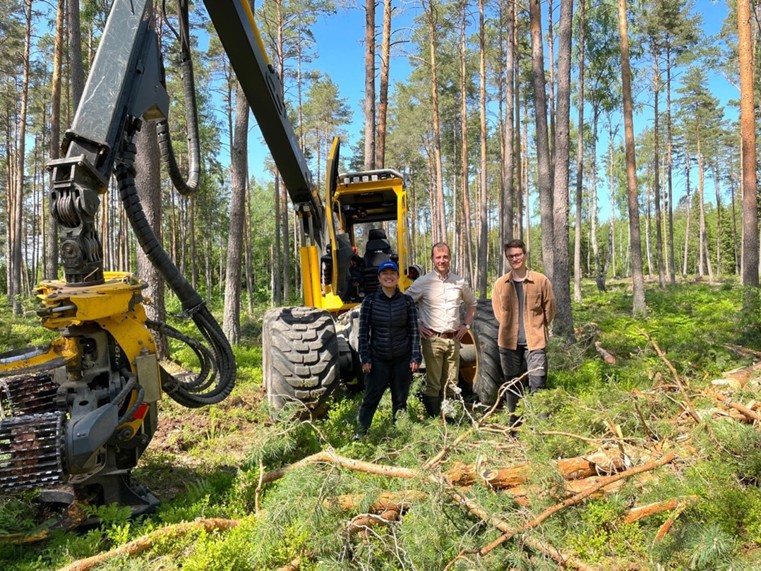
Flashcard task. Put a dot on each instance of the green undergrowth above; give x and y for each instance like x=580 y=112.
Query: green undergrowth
x=208 y=463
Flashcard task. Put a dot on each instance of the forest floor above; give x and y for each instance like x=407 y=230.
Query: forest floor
x=651 y=460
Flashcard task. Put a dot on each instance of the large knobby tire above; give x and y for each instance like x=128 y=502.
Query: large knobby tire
x=488 y=376
x=300 y=358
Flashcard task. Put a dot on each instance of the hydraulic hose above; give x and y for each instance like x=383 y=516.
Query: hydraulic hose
x=183 y=186
x=131 y=384
x=221 y=382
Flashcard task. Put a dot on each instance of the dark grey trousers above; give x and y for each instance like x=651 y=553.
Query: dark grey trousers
x=518 y=362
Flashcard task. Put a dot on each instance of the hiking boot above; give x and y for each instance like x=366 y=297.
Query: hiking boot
x=432 y=405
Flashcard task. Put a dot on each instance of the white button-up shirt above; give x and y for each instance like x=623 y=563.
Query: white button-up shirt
x=439 y=300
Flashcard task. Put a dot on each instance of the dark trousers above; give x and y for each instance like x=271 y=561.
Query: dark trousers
x=395 y=374
x=516 y=363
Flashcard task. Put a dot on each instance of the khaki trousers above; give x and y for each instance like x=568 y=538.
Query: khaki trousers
x=442 y=366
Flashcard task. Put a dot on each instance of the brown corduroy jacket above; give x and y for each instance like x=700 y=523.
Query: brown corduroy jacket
x=538 y=310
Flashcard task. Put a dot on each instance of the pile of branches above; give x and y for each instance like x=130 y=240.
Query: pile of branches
x=612 y=461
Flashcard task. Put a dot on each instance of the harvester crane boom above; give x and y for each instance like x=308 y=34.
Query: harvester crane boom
x=237 y=30
x=82 y=412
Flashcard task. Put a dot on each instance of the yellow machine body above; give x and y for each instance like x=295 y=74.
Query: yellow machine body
x=356 y=202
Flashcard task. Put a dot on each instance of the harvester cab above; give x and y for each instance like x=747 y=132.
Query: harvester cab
x=366 y=220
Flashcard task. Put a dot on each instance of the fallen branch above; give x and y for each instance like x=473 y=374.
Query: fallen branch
x=677 y=378
x=641 y=512
x=744 y=351
x=463 y=474
x=364 y=522
x=564 y=559
x=329 y=456
x=645 y=427
x=140 y=544
x=664 y=529
x=294 y=565
x=572 y=435
x=575 y=468
x=729 y=403
x=521 y=494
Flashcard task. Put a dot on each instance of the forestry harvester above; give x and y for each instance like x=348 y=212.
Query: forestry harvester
x=76 y=416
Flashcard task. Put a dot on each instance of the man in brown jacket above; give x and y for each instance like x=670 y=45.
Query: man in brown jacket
x=524 y=306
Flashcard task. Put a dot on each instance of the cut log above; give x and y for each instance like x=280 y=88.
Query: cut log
x=293 y=565
x=577 y=499
x=398 y=501
x=604 y=355
x=602 y=462
x=744 y=351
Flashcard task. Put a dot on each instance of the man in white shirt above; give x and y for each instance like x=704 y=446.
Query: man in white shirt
x=439 y=296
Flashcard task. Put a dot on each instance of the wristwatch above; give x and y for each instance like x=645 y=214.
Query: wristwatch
x=467 y=325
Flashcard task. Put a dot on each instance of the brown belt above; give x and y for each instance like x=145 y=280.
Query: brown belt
x=444 y=334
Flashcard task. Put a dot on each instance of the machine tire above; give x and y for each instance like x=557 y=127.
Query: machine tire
x=300 y=361
x=488 y=376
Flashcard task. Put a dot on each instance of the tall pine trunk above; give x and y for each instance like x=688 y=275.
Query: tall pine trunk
x=467 y=261
x=385 y=66
x=508 y=136
x=750 y=254
x=670 y=171
x=705 y=258
x=657 y=174
x=51 y=236
x=77 y=72
x=238 y=179
x=544 y=176
x=638 y=281
x=369 y=100
x=439 y=218
x=579 y=161
x=18 y=187
x=563 y=324
x=483 y=219
x=148 y=184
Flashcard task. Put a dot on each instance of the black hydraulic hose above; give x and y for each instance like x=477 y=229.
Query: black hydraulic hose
x=131 y=383
x=191 y=116
x=191 y=301
x=205 y=377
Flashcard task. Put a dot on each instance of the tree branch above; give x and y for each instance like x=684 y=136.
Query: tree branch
x=140 y=544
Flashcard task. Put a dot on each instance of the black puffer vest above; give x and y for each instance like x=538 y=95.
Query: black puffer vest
x=389 y=326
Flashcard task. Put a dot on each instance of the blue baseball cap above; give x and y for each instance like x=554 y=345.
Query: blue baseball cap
x=388 y=265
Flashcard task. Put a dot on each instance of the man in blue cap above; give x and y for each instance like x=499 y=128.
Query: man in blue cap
x=389 y=345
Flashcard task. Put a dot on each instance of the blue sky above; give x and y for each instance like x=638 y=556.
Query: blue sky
x=340 y=55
